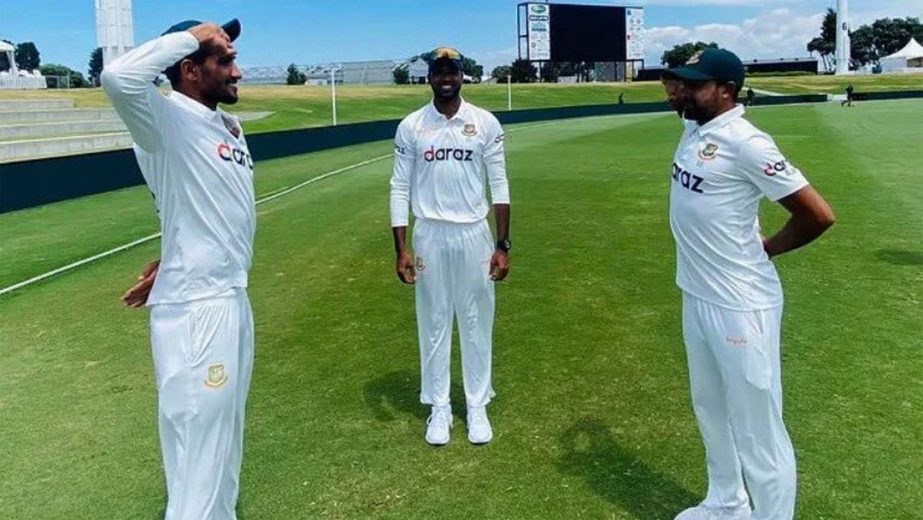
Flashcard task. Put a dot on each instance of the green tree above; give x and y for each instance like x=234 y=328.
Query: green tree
x=472 y=68
x=890 y=35
x=27 y=56
x=553 y=70
x=680 y=54
x=96 y=65
x=885 y=36
x=401 y=75
x=295 y=76
x=76 y=79
x=824 y=50
x=825 y=43
x=862 y=47
x=522 y=71
x=550 y=71
x=500 y=73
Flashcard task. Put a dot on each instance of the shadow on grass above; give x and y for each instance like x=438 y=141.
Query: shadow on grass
x=618 y=476
x=899 y=257
x=399 y=392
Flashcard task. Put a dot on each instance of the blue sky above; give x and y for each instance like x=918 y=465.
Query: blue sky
x=278 y=32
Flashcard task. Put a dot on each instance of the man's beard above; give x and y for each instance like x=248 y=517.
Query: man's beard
x=225 y=95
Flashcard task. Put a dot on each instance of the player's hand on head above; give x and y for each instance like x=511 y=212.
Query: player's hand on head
x=405 y=269
x=499 y=266
x=209 y=33
x=137 y=295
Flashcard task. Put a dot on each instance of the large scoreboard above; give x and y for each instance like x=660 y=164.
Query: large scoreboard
x=574 y=32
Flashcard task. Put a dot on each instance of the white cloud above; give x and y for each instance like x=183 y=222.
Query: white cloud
x=774 y=34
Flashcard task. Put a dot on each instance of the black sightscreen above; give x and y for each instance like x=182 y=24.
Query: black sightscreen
x=587 y=33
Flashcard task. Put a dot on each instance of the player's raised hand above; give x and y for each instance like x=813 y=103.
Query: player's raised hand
x=209 y=33
x=405 y=269
x=136 y=297
x=499 y=266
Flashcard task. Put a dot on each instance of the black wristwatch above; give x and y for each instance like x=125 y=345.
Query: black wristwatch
x=504 y=245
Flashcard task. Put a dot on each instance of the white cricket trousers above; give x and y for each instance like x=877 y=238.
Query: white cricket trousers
x=203 y=357
x=453 y=281
x=735 y=377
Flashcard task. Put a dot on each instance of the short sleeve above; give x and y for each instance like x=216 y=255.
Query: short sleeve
x=764 y=165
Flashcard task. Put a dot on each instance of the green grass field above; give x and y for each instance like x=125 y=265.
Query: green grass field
x=837 y=84
x=306 y=106
x=301 y=106
x=592 y=417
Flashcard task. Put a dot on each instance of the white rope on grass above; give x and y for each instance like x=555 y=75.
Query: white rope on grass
x=125 y=247
x=272 y=195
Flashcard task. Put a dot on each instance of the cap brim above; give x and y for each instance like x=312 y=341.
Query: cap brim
x=685 y=73
x=438 y=61
x=232 y=28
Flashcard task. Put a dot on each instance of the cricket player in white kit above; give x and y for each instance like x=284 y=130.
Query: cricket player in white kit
x=441 y=155
x=196 y=163
x=732 y=297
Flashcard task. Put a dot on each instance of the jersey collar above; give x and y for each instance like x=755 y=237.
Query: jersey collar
x=461 y=115
x=193 y=105
x=735 y=113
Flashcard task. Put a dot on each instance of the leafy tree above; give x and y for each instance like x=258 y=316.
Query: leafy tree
x=401 y=75
x=96 y=65
x=870 y=43
x=522 y=71
x=680 y=54
x=27 y=56
x=553 y=70
x=824 y=50
x=75 y=78
x=472 y=68
x=862 y=47
x=295 y=76
x=500 y=73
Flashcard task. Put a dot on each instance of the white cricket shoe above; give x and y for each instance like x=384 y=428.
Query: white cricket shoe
x=479 y=431
x=438 y=425
x=700 y=512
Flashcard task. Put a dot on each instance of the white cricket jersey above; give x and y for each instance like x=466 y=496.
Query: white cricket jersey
x=721 y=171
x=440 y=164
x=200 y=173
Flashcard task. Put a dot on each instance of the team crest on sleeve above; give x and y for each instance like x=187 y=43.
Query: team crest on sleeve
x=420 y=264
x=469 y=130
x=708 y=153
x=216 y=376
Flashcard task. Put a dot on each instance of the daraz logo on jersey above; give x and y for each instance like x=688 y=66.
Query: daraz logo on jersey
x=236 y=155
x=445 y=154
x=686 y=179
x=771 y=169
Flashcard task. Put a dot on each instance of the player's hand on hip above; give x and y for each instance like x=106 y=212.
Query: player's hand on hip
x=405 y=270
x=136 y=297
x=499 y=265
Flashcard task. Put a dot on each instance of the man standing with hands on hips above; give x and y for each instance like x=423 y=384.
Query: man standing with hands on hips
x=195 y=161
x=441 y=154
x=732 y=297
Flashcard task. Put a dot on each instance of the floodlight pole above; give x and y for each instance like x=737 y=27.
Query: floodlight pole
x=842 y=37
x=333 y=93
x=509 y=92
